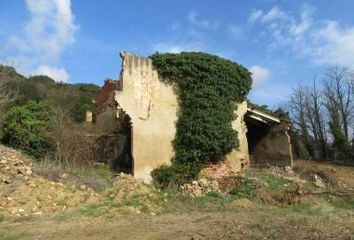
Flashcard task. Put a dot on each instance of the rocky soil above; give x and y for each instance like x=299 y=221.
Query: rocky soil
x=22 y=193
x=14 y=167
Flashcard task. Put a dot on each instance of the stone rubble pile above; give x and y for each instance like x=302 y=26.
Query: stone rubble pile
x=200 y=187
x=23 y=193
x=212 y=178
x=38 y=196
x=13 y=166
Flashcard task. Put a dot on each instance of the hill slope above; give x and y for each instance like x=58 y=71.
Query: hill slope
x=73 y=99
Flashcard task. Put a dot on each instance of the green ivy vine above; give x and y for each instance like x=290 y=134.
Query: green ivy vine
x=208 y=89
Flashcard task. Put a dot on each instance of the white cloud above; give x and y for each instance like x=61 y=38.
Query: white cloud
x=206 y=24
x=192 y=36
x=319 y=41
x=274 y=14
x=255 y=15
x=235 y=31
x=335 y=45
x=49 y=31
x=259 y=75
x=305 y=23
x=58 y=74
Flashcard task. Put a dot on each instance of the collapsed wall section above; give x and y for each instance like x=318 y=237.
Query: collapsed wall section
x=152 y=107
x=106 y=107
x=112 y=130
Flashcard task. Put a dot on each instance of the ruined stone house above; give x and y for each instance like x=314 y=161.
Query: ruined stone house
x=136 y=117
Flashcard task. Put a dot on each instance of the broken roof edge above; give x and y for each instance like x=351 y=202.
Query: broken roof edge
x=259 y=115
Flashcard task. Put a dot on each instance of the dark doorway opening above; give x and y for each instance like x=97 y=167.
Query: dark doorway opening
x=123 y=161
x=256 y=131
x=115 y=148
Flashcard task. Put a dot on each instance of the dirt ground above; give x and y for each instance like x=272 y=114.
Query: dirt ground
x=239 y=223
x=131 y=210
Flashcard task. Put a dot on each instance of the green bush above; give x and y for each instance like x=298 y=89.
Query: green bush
x=174 y=176
x=25 y=127
x=208 y=88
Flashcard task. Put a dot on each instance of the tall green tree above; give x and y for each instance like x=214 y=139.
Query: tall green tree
x=26 y=127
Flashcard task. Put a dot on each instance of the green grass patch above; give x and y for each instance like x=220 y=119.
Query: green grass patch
x=273 y=182
x=269 y=229
x=95 y=210
x=322 y=209
x=66 y=215
x=212 y=201
x=245 y=188
x=137 y=203
x=347 y=203
x=13 y=236
x=91 y=210
x=2 y=218
x=243 y=191
x=145 y=203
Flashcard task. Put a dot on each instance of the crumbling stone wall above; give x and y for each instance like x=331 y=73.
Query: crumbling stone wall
x=106 y=107
x=152 y=106
x=239 y=158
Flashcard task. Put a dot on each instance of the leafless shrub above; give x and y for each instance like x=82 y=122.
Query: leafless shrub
x=74 y=144
x=323 y=116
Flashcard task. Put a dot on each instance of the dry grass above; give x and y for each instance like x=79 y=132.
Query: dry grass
x=342 y=175
x=261 y=222
x=98 y=177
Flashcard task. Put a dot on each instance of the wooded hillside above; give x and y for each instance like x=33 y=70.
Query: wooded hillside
x=73 y=99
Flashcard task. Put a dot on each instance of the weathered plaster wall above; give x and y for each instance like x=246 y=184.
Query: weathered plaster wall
x=152 y=107
x=274 y=148
x=239 y=159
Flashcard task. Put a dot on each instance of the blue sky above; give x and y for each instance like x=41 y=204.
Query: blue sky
x=283 y=42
